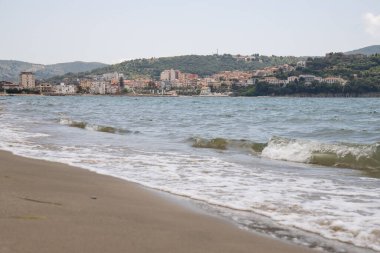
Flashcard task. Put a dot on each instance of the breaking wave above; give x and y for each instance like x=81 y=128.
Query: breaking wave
x=355 y=156
x=223 y=144
x=93 y=127
x=345 y=155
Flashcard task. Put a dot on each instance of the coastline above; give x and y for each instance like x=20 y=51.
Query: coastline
x=53 y=207
x=295 y=95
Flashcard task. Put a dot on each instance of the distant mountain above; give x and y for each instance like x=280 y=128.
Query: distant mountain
x=10 y=70
x=366 y=50
x=202 y=65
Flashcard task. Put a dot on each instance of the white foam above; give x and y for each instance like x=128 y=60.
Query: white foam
x=289 y=150
x=296 y=150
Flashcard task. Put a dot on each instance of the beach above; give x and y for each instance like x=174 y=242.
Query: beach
x=52 y=207
x=312 y=180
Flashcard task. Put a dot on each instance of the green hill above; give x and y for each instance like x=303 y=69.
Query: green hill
x=10 y=70
x=202 y=65
x=361 y=72
x=366 y=50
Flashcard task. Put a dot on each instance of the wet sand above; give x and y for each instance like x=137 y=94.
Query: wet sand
x=51 y=207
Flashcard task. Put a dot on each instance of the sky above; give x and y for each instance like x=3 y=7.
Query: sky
x=110 y=31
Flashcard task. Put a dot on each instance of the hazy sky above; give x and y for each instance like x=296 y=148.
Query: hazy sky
x=52 y=31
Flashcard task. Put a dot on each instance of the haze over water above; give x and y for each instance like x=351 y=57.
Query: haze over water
x=305 y=170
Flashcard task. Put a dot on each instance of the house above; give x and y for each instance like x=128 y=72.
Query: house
x=5 y=85
x=284 y=68
x=308 y=79
x=205 y=91
x=247 y=58
x=63 y=89
x=301 y=64
x=251 y=81
x=274 y=80
x=98 y=87
x=45 y=88
x=332 y=80
x=292 y=79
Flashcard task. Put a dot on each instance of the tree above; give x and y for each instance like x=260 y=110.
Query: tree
x=121 y=83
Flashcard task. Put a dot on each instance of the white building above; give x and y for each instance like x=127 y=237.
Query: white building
x=165 y=75
x=112 y=76
x=251 y=81
x=98 y=87
x=301 y=64
x=205 y=91
x=274 y=80
x=292 y=79
x=169 y=75
x=332 y=80
x=308 y=78
x=64 y=89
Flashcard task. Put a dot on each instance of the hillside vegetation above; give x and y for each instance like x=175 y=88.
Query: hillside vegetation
x=362 y=73
x=346 y=66
x=10 y=70
x=203 y=65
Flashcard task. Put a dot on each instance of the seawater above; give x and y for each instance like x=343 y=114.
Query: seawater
x=302 y=169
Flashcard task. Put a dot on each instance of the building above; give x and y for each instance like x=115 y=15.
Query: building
x=114 y=77
x=292 y=79
x=27 y=80
x=64 y=89
x=301 y=64
x=332 y=80
x=247 y=58
x=110 y=76
x=308 y=78
x=98 y=87
x=4 y=85
x=286 y=68
x=205 y=91
x=274 y=80
x=45 y=88
x=85 y=85
x=165 y=75
x=170 y=75
x=251 y=81
x=112 y=88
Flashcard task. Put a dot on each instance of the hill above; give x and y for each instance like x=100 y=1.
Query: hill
x=361 y=73
x=10 y=70
x=202 y=65
x=366 y=50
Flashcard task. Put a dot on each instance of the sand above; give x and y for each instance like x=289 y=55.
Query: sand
x=51 y=207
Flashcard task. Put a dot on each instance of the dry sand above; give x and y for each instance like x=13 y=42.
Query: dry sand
x=52 y=207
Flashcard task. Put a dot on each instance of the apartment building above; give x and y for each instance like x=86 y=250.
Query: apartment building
x=27 y=80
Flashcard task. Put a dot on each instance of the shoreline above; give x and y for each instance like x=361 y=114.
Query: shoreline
x=295 y=95
x=53 y=207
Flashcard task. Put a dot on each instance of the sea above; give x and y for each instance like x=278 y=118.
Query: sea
x=303 y=170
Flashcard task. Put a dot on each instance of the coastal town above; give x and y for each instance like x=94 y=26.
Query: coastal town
x=171 y=82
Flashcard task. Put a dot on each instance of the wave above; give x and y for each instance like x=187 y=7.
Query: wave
x=223 y=144
x=93 y=127
x=346 y=155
